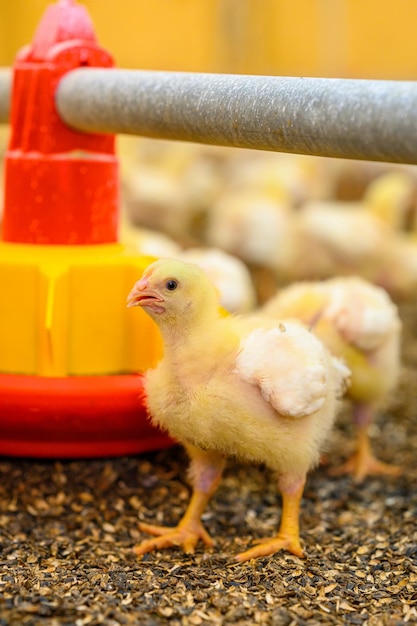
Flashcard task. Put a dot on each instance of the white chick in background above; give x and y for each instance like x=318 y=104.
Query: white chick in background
x=155 y=199
x=257 y=229
x=358 y=323
x=146 y=242
x=337 y=238
x=168 y=186
x=229 y=274
x=344 y=238
x=317 y=241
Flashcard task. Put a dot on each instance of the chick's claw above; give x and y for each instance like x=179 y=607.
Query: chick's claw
x=361 y=467
x=269 y=546
x=166 y=537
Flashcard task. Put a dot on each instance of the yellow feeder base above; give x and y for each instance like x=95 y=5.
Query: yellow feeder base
x=63 y=311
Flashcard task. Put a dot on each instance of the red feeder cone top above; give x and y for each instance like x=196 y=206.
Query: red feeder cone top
x=61 y=185
x=63 y=22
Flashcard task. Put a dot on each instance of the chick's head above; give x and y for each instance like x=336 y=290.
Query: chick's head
x=174 y=292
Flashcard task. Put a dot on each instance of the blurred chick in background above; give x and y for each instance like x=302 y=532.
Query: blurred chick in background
x=291 y=179
x=337 y=238
x=287 y=217
x=358 y=323
x=229 y=274
x=168 y=186
x=257 y=229
x=154 y=199
x=245 y=387
x=345 y=238
x=392 y=197
x=397 y=268
x=146 y=241
x=319 y=240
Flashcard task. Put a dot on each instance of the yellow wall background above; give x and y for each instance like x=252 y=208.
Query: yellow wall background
x=346 y=38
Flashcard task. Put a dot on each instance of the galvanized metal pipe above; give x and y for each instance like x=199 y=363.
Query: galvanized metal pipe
x=375 y=120
x=359 y=119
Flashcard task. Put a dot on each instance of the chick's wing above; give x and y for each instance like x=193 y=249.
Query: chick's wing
x=362 y=313
x=289 y=365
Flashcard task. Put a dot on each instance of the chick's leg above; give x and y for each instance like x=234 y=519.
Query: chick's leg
x=288 y=536
x=363 y=462
x=205 y=473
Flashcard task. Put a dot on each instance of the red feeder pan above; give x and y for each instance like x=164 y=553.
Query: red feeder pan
x=75 y=417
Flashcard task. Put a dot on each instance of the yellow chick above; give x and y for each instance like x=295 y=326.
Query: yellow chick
x=250 y=388
x=359 y=323
x=397 y=270
x=392 y=197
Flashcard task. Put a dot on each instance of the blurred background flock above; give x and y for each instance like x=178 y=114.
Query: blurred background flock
x=258 y=220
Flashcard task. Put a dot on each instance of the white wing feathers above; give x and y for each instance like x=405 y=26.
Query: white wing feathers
x=290 y=366
x=364 y=314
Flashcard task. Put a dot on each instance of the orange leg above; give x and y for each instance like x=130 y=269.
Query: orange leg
x=288 y=536
x=206 y=471
x=363 y=462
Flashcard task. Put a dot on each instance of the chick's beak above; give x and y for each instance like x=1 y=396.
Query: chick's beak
x=142 y=295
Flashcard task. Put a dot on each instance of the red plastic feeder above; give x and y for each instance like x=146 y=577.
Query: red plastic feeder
x=59 y=241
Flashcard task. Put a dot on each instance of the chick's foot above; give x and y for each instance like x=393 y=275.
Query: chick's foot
x=360 y=466
x=186 y=536
x=269 y=546
x=363 y=462
x=288 y=536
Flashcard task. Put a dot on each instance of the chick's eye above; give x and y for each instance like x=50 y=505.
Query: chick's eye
x=171 y=285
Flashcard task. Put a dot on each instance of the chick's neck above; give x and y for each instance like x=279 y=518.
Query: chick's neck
x=193 y=325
